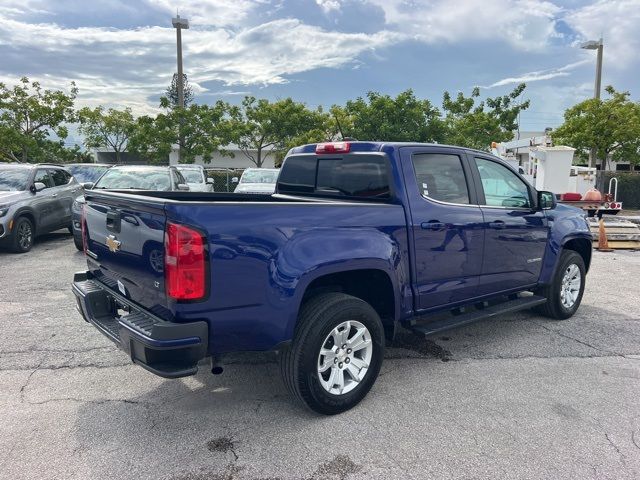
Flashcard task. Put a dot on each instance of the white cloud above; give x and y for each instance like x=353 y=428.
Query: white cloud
x=525 y=24
x=138 y=63
x=329 y=5
x=617 y=21
x=209 y=12
x=539 y=75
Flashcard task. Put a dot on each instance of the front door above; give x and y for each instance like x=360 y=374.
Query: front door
x=44 y=202
x=515 y=231
x=446 y=225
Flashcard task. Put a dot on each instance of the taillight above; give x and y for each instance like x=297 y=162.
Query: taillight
x=83 y=225
x=184 y=263
x=334 y=147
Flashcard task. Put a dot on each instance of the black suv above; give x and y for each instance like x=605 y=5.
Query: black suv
x=34 y=199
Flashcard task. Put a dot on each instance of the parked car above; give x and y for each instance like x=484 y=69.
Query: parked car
x=139 y=177
x=87 y=173
x=360 y=237
x=196 y=177
x=258 y=180
x=34 y=199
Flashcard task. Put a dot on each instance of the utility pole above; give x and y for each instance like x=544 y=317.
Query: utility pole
x=180 y=23
x=599 y=46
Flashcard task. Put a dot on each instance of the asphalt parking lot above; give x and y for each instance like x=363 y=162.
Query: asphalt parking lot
x=516 y=397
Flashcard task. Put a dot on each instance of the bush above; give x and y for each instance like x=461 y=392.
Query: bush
x=628 y=187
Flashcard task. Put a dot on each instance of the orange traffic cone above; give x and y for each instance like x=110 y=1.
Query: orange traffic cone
x=603 y=243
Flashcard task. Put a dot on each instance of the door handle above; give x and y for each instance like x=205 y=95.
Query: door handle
x=434 y=225
x=497 y=224
x=54 y=194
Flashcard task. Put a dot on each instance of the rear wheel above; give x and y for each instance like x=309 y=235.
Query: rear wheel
x=336 y=353
x=564 y=294
x=23 y=235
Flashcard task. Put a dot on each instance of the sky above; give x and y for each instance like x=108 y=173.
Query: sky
x=122 y=53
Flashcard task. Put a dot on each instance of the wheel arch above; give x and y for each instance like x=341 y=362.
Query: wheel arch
x=28 y=213
x=371 y=284
x=582 y=246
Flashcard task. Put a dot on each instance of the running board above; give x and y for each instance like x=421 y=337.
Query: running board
x=479 y=312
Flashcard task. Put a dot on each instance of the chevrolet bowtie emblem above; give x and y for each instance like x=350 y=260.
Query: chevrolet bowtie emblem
x=113 y=244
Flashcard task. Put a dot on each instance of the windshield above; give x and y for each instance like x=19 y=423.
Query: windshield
x=87 y=173
x=13 y=179
x=136 y=178
x=259 y=176
x=192 y=175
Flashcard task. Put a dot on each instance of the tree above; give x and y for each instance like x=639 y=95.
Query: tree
x=28 y=116
x=171 y=93
x=472 y=125
x=201 y=130
x=263 y=127
x=378 y=117
x=611 y=126
x=107 y=129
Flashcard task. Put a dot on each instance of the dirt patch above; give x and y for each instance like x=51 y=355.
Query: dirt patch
x=415 y=343
x=222 y=445
x=338 y=468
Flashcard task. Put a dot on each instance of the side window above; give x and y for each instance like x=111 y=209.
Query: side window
x=502 y=187
x=60 y=177
x=441 y=177
x=43 y=176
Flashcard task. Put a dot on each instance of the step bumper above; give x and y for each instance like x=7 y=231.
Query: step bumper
x=167 y=349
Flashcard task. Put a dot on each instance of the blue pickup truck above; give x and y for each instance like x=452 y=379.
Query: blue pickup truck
x=359 y=239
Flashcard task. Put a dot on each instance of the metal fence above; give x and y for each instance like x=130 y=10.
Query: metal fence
x=223 y=178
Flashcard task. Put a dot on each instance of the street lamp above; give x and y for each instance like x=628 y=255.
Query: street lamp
x=180 y=23
x=595 y=45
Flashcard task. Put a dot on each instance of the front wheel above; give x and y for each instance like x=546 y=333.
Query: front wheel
x=336 y=353
x=564 y=294
x=23 y=235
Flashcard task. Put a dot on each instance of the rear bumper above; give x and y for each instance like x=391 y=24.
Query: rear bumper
x=168 y=349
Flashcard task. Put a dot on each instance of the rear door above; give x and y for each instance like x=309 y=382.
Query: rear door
x=126 y=246
x=446 y=225
x=515 y=231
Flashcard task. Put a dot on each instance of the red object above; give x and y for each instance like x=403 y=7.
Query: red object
x=83 y=225
x=593 y=195
x=571 y=197
x=335 y=147
x=185 y=266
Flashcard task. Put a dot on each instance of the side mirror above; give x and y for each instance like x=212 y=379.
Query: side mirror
x=87 y=185
x=546 y=200
x=235 y=180
x=183 y=187
x=210 y=180
x=38 y=187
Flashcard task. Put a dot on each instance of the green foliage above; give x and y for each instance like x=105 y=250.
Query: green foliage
x=611 y=126
x=107 y=129
x=28 y=116
x=200 y=131
x=378 y=117
x=628 y=187
x=472 y=125
x=263 y=125
x=171 y=94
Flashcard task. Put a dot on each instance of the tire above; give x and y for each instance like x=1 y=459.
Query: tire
x=23 y=235
x=561 y=304
x=78 y=243
x=70 y=230
x=318 y=323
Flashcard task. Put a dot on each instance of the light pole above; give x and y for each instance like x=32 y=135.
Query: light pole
x=180 y=23
x=595 y=45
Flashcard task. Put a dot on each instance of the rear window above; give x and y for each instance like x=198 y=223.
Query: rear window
x=360 y=176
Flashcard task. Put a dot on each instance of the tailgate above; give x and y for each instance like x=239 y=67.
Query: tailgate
x=125 y=241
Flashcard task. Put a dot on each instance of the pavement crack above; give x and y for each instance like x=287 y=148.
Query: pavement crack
x=80 y=400
x=633 y=439
x=617 y=449
x=569 y=337
x=26 y=383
